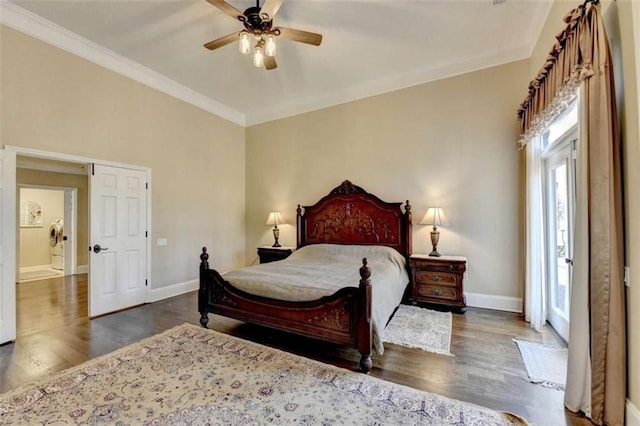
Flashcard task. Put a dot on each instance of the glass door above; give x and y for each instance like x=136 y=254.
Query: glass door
x=560 y=201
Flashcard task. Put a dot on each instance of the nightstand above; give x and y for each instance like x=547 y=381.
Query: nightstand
x=438 y=280
x=272 y=254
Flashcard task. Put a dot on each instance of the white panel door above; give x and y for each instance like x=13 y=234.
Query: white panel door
x=118 y=252
x=7 y=246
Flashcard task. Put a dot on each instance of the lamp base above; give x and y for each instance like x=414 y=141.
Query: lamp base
x=276 y=235
x=435 y=237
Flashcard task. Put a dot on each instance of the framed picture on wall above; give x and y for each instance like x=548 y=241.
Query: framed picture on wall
x=30 y=214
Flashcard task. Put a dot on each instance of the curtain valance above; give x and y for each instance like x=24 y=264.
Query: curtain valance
x=555 y=86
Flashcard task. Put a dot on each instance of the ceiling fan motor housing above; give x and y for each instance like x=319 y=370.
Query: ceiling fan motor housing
x=253 y=22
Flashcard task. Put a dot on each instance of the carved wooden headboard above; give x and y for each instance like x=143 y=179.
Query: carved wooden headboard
x=350 y=215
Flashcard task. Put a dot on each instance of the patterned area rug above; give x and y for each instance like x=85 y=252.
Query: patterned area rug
x=420 y=328
x=546 y=365
x=190 y=375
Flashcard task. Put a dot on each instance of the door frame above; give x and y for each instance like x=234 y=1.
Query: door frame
x=70 y=226
x=47 y=155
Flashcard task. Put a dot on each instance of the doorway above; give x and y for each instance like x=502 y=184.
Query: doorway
x=116 y=282
x=559 y=156
x=47 y=243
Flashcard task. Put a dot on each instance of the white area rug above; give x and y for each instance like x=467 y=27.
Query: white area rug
x=420 y=328
x=546 y=365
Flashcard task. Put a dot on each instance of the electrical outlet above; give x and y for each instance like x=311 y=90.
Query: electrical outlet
x=626 y=276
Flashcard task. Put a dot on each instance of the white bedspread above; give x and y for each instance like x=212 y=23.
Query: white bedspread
x=322 y=269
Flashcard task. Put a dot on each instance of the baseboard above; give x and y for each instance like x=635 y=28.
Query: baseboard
x=34 y=268
x=173 y=290
x=83 y=269
x=490 y=301
x=632 y=414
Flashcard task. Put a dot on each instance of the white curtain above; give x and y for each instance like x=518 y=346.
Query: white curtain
x=577 y=395
x=535 y=277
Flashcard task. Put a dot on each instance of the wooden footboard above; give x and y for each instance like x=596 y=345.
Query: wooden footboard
x=343 y=317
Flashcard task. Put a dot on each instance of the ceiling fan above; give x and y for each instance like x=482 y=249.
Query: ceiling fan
x=258 y=23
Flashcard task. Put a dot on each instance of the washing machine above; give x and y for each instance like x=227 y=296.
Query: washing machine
x=56 y=242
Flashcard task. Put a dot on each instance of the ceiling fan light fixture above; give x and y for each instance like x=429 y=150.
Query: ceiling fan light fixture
x=244 y=45
x=258 y=56
x=270 y=45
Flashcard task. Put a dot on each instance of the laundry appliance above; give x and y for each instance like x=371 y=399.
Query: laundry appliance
x=56 y=241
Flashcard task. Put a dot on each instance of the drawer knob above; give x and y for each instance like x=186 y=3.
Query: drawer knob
x=436 y=277
x=435 y=291
x=451 y=267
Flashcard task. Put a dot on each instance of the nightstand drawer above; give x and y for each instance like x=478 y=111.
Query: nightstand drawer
x=437 y=292
x=436 y=278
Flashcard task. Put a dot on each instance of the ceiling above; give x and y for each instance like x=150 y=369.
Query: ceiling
x=369 y=47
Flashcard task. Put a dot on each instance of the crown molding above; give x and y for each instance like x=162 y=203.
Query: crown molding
x=29 y=23
x=392 y=83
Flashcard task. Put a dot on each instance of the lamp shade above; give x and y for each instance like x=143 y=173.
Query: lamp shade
x=434 y=216
x=274 y=219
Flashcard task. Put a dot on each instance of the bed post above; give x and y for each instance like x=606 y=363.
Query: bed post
x=408 y=231
x=365 y=329
x=299 y=229
x=203 y=293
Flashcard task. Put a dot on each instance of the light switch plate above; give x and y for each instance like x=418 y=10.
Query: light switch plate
x=627 y=276
x=162 y=242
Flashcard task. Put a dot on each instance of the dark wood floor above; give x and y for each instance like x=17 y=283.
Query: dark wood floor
x=54 y=333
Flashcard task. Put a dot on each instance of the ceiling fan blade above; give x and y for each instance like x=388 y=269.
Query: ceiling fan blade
x=222 y=41
x=301 y=36
x=270 y=63
x=269 y=9
x=228 y=9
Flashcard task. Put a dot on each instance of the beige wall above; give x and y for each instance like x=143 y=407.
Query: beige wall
x=64 y=180
x=629 y=19
x=54 y=101
x=622 y=20
x=449 y=143
x=34 y=241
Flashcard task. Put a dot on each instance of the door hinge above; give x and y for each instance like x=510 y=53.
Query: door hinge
x=146 y=283
x=146 y=234
x=93 y=169
x=146 y=185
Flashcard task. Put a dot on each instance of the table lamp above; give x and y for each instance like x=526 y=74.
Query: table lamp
x=274 y=219
x=434 y=216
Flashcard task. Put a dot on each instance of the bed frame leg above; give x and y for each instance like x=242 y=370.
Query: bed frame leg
x=204 y=320
x=365 y=363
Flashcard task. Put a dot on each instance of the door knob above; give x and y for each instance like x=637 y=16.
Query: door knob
x=98 y=249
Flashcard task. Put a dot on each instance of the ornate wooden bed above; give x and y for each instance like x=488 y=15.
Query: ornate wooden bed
x=347 y=215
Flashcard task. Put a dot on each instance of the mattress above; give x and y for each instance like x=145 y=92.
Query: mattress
x=319 y=270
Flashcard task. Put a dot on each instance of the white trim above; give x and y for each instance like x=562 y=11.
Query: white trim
x=389 y=84
x=632 y=414
x=58 y=156
x=83 y=269
x=8 y=246
x=29 y=23
x=173 y=290
x=27 y=163
x=34 y=268
x=491 y=301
